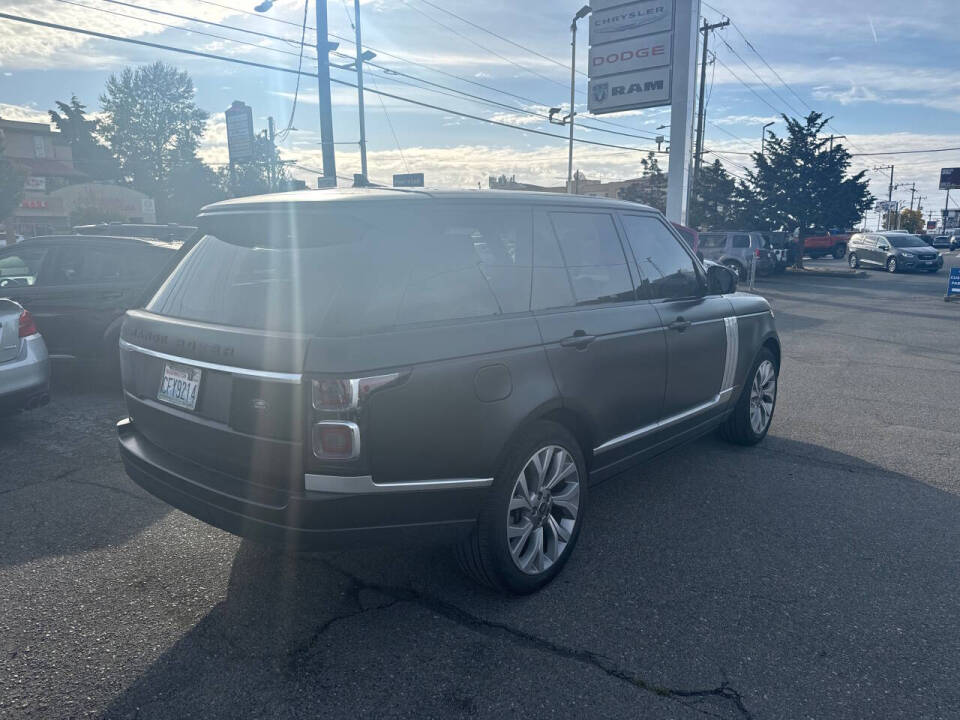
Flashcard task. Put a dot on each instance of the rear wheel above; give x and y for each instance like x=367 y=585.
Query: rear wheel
x=839 y=251
x=750 y=420
x=531 y=520
x=853 y=261
x=892 y=265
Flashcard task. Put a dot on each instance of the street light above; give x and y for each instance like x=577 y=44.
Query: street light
x=763 y=135
x=581 y=13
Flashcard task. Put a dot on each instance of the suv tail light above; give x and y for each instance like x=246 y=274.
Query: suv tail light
x=757 y=252
x=335 y=411
x=27 y=325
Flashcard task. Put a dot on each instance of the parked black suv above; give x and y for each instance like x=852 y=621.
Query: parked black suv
x=78 y=287
x=893 y=251
x=326 y=369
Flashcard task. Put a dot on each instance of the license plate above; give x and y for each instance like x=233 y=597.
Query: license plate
x=179 y=385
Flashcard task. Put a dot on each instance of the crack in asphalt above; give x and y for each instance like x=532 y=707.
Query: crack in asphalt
x=489 y=627
x=58 y=476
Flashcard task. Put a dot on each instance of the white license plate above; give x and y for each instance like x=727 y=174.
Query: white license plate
x=179 y=385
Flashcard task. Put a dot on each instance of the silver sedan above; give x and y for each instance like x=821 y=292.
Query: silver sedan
x=24 y=366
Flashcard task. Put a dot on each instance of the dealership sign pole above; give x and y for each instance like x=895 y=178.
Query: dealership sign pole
x=643 y=55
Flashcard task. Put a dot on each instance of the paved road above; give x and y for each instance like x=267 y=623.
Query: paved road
x=814 y=576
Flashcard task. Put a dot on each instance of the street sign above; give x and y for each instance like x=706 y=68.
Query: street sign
x=641 y=17
x=631 y=54
x=408 y=180
x=626 y=91
x=950 y=179
x=887 y=205
x=240 y=136
x=953 y=284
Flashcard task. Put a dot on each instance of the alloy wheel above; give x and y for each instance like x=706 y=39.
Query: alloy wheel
x=892 y=265
x=544 y=508
x=763 y=394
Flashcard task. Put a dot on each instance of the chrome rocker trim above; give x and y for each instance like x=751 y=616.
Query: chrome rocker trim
x=364 y=484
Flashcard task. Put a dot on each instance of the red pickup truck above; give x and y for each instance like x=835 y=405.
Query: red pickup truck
x=832 y=242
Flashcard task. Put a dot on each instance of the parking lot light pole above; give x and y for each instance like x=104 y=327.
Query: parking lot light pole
x=763 y=135
x=581 y=13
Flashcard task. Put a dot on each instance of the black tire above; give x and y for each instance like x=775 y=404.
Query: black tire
x=892 y=265
x=485 y=555
x=737 y=428
x=853 y=261
x=739 y=269
x=839 y=251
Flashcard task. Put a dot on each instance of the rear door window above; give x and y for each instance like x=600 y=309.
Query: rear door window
x=82 y=264
x=551 y=283
x=594 y=257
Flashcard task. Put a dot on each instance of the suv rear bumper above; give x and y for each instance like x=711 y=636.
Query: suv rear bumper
x=340 y=519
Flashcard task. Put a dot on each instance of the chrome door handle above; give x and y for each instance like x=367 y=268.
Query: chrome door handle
x=578 y=341
x=679 y=324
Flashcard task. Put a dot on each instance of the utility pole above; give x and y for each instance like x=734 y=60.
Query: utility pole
x=701 y=112
x=889 y=190
x=946 y=210
x=363 y=128
x=832 y=137
x=324 y=46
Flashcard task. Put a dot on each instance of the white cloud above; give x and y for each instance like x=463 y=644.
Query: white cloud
x=744 y=119
x=23 y=113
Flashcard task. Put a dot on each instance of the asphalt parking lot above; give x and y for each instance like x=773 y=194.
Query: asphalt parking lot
x=813 y=576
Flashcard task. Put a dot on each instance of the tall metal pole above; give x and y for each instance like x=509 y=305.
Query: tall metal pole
x=323 y=92
x=701 y=110
x=946 y=210
x=890 y=200
x=573 y=86
x=363 y=129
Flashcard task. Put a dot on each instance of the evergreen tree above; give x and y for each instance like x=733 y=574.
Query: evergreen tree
x=800 y=183
x=652 y=188
x=713 y=201
x=89 y=155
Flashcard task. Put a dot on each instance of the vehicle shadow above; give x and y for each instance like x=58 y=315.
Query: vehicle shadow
x=785 y=580
x=63 y=489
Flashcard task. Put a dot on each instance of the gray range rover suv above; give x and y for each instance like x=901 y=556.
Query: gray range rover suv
x=332 y=368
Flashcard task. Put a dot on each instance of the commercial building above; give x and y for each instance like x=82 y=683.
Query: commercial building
x=56 y=193
x=581 y=186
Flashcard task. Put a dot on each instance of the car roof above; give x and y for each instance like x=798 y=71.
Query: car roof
x=100 y=239
x=315 y=198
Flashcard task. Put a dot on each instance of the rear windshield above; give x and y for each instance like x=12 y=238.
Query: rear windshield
x=354 y=272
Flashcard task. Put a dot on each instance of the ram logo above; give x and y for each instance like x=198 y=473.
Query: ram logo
x=600 y=91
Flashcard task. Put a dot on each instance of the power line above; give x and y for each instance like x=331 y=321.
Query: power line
x=171 y=27
x=759 y=97
x=757 y=75
x=283 y=134
x=488 y=50
x=265 y=66
x=908 y=152
x=302 y=45
x=727 y=132
x=501 y=37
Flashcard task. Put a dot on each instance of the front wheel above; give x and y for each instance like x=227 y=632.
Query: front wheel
x=853 y=261
x=750 y=420
x=892 y=265
x=532 y=517
x=839 y=251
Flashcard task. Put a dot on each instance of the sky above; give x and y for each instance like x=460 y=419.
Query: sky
x=888 y=74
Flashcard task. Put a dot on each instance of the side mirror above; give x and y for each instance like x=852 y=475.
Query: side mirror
x=721 y=280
